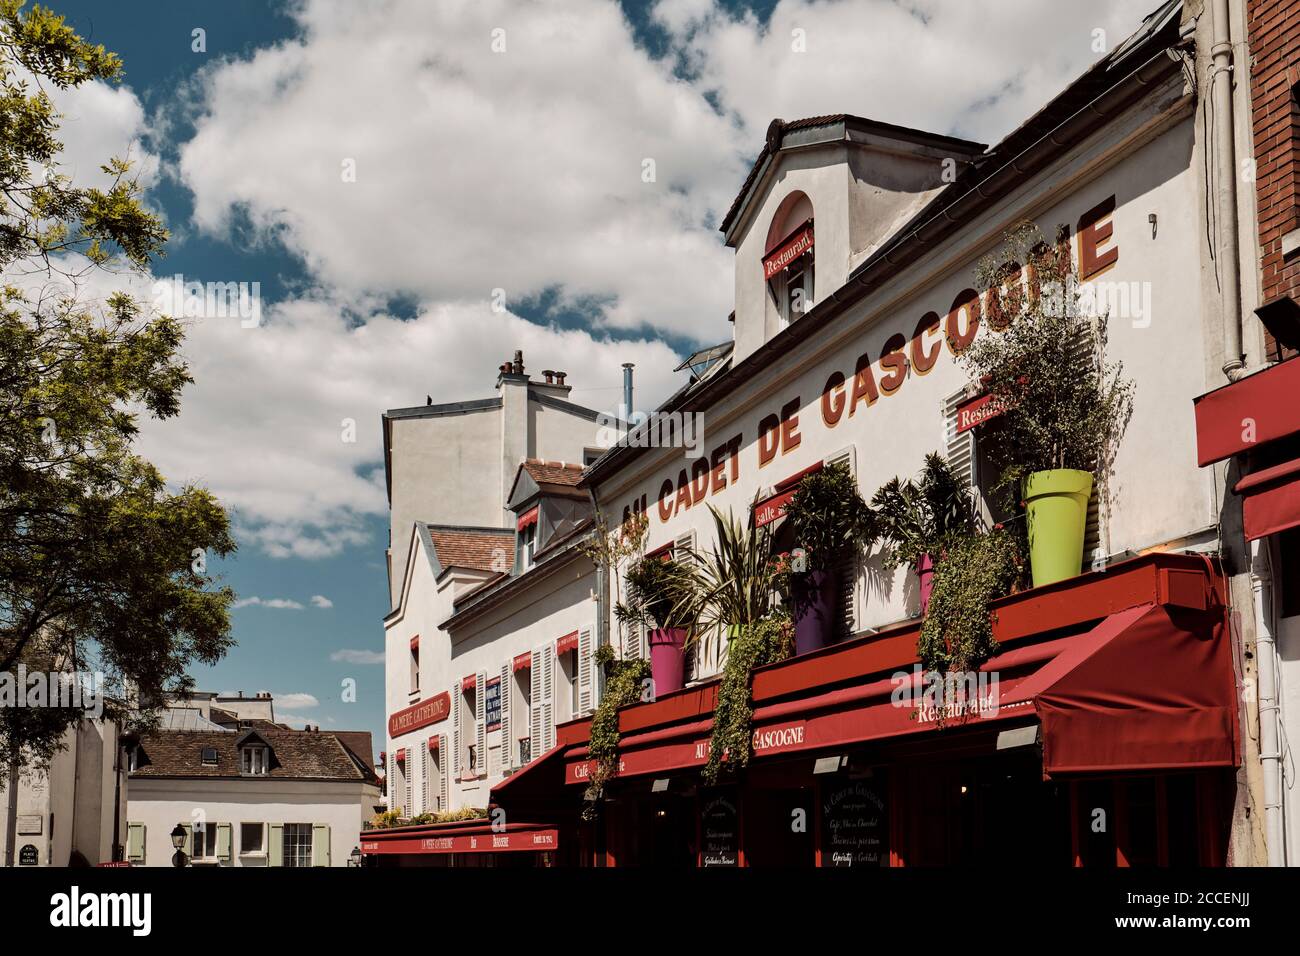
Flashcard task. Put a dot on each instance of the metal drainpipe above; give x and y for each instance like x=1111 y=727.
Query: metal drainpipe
x=1270 y=754
x=1225 y=155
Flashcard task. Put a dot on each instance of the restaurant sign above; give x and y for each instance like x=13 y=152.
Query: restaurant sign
x=788 y=251
x=486 y=842
x=977 y=411
x=419 y=715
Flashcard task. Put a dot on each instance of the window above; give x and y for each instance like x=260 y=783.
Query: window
x=520 y=715
x=527 y=546
x=469 y=755
x=297 y=844
x=794 y=290
x=133 y=759
x=204 y=843
x=254 y=761
x=252 y=838
x=415 y=665
x=209 y=756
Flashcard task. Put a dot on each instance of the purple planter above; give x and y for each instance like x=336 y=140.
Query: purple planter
x=667 y=659
x=925 y=580
x=814 y=611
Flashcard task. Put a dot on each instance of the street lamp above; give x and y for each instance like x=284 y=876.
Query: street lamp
x=178 y=840
x=354 y=858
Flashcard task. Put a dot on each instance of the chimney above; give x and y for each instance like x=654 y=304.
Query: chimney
x=549 y=376
x=627 y=391
x=519 y=362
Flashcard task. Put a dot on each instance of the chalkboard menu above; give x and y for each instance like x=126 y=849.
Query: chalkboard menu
x=492 y=705
x=720 y=830
x=855 y=823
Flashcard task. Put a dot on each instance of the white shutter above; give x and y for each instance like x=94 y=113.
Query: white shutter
x=584 y=676
x=480 y=722
x=535 y=700
x=424 y=776
x=455 y=729
x=1085 y=348
x=548 y=696
x=959 y=449
x=442 y=772
x=407 y=773
x=682 y=545
x=847 y=569
x=507 y=748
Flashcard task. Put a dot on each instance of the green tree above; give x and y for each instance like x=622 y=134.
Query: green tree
x=102 y=566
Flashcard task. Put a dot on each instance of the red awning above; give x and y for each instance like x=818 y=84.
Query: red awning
x=788 y=250
x=478 y=837
x=434 y=745
x=401 y=755
x=415 y=643
x=529 y=517
x=523 y=662
x=1271 y=499
x=773 y=507
x=567 y=643
x=1247 y=414
x=468 y=683
x=1151 y=687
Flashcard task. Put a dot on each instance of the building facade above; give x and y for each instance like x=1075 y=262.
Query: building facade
x=247 y=791
x=1143 y=706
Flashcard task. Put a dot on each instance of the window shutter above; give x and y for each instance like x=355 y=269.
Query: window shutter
x=442 y=773
x=455 y=729
x=507 y=748
x=408 y=774
x=585 y=637
x=959 y=449
x=1084 y=350
x=223 y=842
x=535 y=700
x=548 y=697
x=275 y=845
x=135 y=842
x=424 y=777
x=320 y=844
x=847 y=568
x=480 y=721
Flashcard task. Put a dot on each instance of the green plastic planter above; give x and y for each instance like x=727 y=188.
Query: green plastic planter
x=1056 y=503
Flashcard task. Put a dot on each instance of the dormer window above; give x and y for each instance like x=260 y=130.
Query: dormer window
x=527 y=538
x=254 y=760
x=788 y=261
x=208 y=756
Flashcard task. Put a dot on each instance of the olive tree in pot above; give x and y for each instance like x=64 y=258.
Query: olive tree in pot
x=1064 y=407
x=660 y=592
x=830 y=521
x=920 y=518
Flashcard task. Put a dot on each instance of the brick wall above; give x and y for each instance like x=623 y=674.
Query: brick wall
x=1274 y=28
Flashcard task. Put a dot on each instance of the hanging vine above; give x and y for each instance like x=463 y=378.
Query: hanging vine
x=625 y=683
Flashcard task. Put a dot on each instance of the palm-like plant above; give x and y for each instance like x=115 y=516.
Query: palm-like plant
x=731 y=585
x=659 y=592
x=918 y=517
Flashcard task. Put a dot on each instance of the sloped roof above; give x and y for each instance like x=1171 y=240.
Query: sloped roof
x=479 y=549
x=552 y=472
x=296 y=755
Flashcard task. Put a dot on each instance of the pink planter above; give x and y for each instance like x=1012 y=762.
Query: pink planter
x=925 y=580
x=668 y=659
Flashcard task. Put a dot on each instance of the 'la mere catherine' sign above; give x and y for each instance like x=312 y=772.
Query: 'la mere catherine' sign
x=873 y=376
x=419 y=715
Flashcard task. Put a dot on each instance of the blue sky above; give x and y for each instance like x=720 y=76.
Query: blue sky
x=518 y=168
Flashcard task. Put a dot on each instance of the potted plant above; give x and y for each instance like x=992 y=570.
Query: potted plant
x=732 y=584
x=919 y=519
x=829 y=521
x=659 y=590
x=1064 y=408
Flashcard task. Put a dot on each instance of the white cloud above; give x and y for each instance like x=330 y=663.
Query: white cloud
x=321 y=601
x=353 y=656
x=295 y=701
x=279 y=604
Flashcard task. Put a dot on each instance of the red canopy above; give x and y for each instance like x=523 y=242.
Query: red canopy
x=478 y=836
x=468 y=683
x=529 y=517
x=523 y=662
x=1150 y=687
x=567 y=643
x=1246 y=414
x=1271 y=499
x=434 y=745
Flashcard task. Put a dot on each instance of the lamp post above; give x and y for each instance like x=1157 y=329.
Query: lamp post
x=354 y=858
x=178 y=840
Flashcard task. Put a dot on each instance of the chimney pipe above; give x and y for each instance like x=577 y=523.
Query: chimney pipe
x=559 y=377
x=627 y=390
x=519 y=361
x=549 y=376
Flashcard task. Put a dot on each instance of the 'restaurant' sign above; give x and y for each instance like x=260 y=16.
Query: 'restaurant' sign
x=488 y=842
x=788 y=251
x=977 y=411
x=419 y=715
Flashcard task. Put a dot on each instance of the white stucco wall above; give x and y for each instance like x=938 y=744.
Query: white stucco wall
x=161 y=804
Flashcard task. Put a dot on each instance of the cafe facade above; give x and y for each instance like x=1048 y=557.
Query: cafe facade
x=1115 y=724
